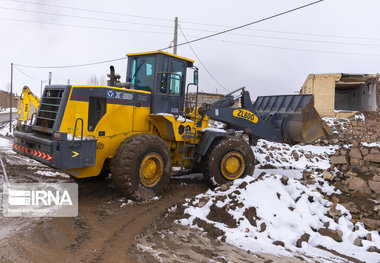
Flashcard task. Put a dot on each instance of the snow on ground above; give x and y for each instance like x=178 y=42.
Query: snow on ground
x=269 y=213
x=265 y=211
x=337 y=124
x=52 y=174
x=6 y=110
x=295 y=157
x=6 y=146
x=4 y=130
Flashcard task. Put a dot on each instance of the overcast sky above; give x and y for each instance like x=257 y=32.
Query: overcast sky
x=272 y=57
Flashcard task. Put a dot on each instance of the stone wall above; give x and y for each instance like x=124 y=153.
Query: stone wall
x=355 y=166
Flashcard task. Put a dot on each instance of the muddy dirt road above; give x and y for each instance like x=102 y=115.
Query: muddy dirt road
x=109 y=227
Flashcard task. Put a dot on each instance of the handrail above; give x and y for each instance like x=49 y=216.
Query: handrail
x=31 y=118
x=75 y=129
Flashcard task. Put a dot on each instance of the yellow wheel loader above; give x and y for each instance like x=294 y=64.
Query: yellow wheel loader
x=139 y=129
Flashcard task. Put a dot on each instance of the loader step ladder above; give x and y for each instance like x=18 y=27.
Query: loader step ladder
x=188 y=147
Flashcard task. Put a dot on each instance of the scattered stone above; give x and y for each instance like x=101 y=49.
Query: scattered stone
x=203 y=201
x=224 y=187
x=371 y=223
x=355 y=153
x=334 y=234
x=373 y=249
x=304 y=238
x=334 y=199
x=279 y=243
x=250 y=214
x=344 y=167
x=350 y=206
x=376 y=178
x=263 y=227
x=375 y=186
x=354 y=161
x=284 y=180
x=219 y=214
x=243 y=185
x=334 y=213
x=338 y=159
x=328 y=176
x=369 y=237
x=358 y=185
x=376 y=208
x=358 y=242
x=334 y=141
x=364 y=151
x=372 y=157
x=295 y=155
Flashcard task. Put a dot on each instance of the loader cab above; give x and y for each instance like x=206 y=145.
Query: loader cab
x=164 y=75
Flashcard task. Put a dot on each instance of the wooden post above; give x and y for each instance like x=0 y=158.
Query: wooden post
x=10 y=101
x=175 y=40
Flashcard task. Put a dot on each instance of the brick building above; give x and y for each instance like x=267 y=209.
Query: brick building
x=343 y=94
x=4 y=100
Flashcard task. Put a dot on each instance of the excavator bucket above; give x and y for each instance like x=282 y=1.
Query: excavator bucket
x=294 y=116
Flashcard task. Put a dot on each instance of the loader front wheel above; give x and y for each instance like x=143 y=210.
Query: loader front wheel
x=228 y=159
x=141 y=166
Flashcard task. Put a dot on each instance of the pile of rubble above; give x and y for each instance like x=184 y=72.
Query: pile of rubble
x=355 y=166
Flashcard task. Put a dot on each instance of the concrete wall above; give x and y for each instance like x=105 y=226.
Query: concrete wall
x=323 y=88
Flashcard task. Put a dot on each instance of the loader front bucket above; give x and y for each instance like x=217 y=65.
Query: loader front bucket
x=294 y=116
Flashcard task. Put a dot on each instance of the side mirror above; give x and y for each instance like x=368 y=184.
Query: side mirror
x=196 y=77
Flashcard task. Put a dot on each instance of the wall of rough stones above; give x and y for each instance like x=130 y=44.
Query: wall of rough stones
x=355 y=166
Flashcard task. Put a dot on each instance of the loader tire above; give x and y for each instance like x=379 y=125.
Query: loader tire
x=141 y=166
x=228 y=159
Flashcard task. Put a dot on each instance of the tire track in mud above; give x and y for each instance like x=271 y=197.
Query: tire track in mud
x=103 y=231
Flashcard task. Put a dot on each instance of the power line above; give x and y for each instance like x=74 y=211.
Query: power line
x=191 y=22
x=29 y=76
x=279 y=31
x=294 y=39
x=92 y=10
x=72 y=66
x=82 y=26
x=82 y=17
x=294 y=49
x=155 y=25
x=251 y=23
x=200 y=61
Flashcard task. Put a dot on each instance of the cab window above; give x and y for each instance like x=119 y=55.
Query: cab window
x=142 y=73
x=177 y=68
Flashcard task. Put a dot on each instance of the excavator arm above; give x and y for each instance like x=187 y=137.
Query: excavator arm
x=28 y=104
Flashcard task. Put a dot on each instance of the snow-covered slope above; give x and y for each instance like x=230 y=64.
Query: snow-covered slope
x=273 y=213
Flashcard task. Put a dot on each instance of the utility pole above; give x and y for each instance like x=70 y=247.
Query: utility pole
x=10 y=101
x=175 y=36
x=68 y=81
x=50 y=76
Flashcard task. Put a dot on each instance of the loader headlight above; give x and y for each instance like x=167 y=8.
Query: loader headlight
x=57 y=135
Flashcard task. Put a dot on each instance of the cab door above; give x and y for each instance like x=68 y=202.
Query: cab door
x=169 y=97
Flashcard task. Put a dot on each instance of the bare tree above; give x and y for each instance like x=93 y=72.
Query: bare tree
x=95 y=80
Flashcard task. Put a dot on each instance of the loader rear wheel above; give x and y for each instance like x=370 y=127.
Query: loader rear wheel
x=141 y=166
x=228 y=159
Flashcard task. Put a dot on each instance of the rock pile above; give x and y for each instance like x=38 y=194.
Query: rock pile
x=355 y=166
